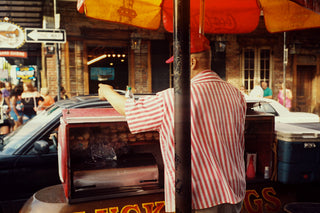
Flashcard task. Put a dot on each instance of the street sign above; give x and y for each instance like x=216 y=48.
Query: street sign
x=39 y=35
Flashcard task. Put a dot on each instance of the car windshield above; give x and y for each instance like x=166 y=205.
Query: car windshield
x=17 y=138
x=279 y=108
x=265 y=107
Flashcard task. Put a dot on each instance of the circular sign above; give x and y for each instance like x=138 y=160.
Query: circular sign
x=11 y=35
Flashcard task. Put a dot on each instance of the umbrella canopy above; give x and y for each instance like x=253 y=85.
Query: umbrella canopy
x=286 y=15
x=313 y=5
x=221 y=16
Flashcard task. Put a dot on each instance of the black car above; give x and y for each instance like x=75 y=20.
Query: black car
x=28 y=156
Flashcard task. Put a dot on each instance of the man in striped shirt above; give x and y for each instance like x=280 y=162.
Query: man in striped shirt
x=217 y=133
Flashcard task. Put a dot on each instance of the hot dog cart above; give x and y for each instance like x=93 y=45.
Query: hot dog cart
x=103 y=167
x=99 y=158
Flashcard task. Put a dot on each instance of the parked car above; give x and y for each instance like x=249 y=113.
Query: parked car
x=28 y=156
x=281 y=113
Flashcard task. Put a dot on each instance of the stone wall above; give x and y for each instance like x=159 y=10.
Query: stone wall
x=140 y=69
x=51 y=74
x=233 y=69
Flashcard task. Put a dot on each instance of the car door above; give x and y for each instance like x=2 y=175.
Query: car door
x=34 y=170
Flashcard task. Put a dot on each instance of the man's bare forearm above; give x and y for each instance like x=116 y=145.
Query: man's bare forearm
x=115 y=99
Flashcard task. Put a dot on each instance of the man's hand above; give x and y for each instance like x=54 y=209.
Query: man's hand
x=118 y=101
x=103 y=91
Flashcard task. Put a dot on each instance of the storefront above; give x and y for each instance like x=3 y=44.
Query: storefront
x=238 y=59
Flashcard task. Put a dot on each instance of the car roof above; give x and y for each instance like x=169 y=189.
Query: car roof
x=82 y=102
x=87 y=101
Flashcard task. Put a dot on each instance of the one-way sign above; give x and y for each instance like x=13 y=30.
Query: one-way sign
x=39 y=35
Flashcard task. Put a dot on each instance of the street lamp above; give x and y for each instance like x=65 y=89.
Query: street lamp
x=135 y=41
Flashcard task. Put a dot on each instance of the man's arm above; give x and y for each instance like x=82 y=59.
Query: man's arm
x=106 y=92
x=7 y=100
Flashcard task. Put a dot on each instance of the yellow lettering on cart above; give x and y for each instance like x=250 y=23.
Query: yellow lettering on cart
x=149 y=207
x=114 y=210
x=256 y=206
x=129 y=208
x=155 y=207
x=273 y=203
x=105 y=210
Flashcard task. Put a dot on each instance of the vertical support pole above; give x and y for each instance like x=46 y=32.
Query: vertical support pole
x=201 y=17
x=181 y=66
x=285 y=62
x=57 y=51
x=58 y=70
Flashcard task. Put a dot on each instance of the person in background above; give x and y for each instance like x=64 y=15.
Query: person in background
x=5 y=124
x=63 y=94
x=257 y=91
x=243 y=90
x=47 y=99
x=30 y=98
x=17 y=107
x=218 y=112
x=7 y=89
x=288 y=96
x=267 y=92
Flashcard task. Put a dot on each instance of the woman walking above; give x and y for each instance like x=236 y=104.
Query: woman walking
x=17 y=107
x=30 y=98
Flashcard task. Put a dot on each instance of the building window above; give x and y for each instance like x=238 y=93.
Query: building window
x=256 y=65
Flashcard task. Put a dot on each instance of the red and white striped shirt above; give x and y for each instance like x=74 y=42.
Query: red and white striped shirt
x=217 y=139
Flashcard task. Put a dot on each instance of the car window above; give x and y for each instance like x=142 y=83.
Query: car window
x=269 y=109
x=19 y=137
x=266 y=108
x=258 y=108
x=281 y=110
x=48 y=137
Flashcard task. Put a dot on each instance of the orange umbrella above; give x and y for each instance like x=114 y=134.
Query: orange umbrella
x=221 y=16
x=286 y=15
x=313 y=5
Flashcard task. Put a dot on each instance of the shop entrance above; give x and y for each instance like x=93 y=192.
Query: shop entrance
x=107 y=65
x=305 y=76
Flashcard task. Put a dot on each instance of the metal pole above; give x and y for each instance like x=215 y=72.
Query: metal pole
x=285 y=62
x=201 y=17
x=58 y=70
x=57 y=47
x=181 y=66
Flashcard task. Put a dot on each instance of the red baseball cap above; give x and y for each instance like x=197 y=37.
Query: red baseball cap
x=198 y=43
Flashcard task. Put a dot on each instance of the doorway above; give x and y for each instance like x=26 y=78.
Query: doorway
x=107 y=65
x=305 y=76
